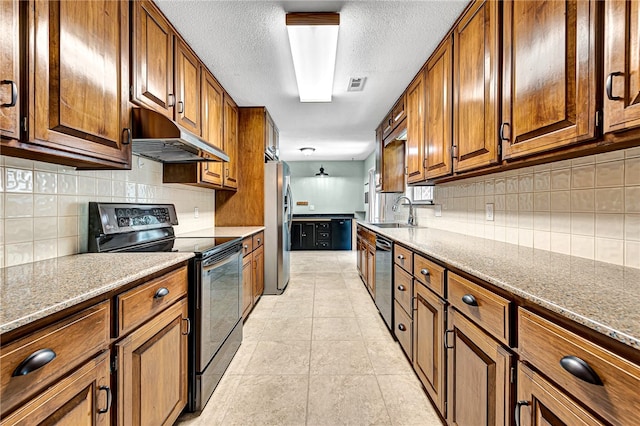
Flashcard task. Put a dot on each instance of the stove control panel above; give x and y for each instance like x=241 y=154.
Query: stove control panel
x=118 y=218
x=142 y=216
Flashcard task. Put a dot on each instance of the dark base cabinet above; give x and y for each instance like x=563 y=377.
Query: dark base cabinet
x=333 y=234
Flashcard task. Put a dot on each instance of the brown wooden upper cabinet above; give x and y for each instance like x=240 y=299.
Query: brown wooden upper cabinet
x=187 y=88
x=549 y=75
x=414 y=145
x=476 y=85
x=438 y=111
x=152 y=59
x=394 y=118
x=212 y=126
x=78 y=111
x=272 y=136
x=10 y=69
x=621 y=65
x=230 y=178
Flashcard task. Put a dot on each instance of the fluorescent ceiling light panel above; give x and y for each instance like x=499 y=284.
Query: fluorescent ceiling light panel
x=313 y=38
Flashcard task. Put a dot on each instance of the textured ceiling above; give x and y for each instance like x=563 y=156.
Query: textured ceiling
x=245 y=45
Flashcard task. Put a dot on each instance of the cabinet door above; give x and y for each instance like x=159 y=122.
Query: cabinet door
x=296 y=236
x=9 y=69
x=549 y=75
x=428 y=331
x=212 y=126
x=258 y=273
x=379 y=173
x=81 y=79
x=187 y=88
x=414 y=144
x=439 y=109
x=371 y=270
x=230 y=178
x=152 y=59
x=82 y=398
x=308 y=236
x=152 y=370
x=621 y=65
x=479 y=387
x=476 y=85
x=540 y=403
x=247 y=284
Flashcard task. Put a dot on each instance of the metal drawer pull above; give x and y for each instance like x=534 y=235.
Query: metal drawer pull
x=245 y=247
x=172 y=100
x=14 y=93
x=502 y=126
x=446 y=339
x=580 y=369
x=609 y=88
x=402 y=327
x=259 y=241
x=401 y=257
x=127 y=140
x=401 y=287
x=519 y=405
x=424 y=272
x=107 y=389
x=188 y=326
x=36 y=360
x=162 y=292
x=469 y=300
x=180 y=107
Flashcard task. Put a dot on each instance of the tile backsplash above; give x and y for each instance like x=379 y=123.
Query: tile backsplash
x=43 y=207
x=587 y=207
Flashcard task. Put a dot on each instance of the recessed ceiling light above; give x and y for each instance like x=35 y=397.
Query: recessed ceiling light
x=313 y=38
x=307 y=151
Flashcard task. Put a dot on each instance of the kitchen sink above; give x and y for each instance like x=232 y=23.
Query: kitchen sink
x=392 y=225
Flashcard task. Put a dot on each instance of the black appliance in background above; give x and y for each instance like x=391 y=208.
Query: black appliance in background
x=215 y=282
x=341 y=234
x=383 y=279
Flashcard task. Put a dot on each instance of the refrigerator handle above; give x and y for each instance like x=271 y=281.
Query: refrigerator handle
x=290 y=198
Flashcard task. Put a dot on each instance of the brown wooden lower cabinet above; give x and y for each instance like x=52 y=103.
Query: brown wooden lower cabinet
x=252 y=272
x=478 y=380
x=428 y=349
x=247 y=285
x=152 y=370
x=371 y=270
x=258 y=273
x=82 y=398
x=540 y=403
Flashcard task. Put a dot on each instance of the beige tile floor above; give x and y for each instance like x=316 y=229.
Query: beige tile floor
x=319 y=354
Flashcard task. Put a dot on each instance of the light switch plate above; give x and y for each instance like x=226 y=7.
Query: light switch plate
x=196 y=213
x=489 y=211
x=438 y=210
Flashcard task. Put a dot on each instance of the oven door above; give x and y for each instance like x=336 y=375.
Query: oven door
x=218 y=303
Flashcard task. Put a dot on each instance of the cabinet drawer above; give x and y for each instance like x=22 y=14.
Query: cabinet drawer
x=258 y=240
x=485 y=308
x=247 y=246
x=323 y=245
x=72 y=340
x=323 y=226
x=323 y=235
x=403 y=288
x=145 y=301
x=403 y=257
x=429 y=274
x=544 y=344
x=403 y=329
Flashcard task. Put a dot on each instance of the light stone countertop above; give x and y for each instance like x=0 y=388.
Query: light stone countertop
x=223 y=231
x=32 y=291
x=601 y=296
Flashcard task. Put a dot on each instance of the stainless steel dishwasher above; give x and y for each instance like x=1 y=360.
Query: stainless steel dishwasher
x=384 y=285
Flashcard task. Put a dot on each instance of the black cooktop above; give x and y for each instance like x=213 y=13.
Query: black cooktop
x=203 y=245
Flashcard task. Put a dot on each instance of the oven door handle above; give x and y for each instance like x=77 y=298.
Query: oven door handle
x=217 y=263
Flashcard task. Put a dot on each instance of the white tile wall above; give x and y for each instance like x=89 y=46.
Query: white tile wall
x=43 y=207
x=587 y=207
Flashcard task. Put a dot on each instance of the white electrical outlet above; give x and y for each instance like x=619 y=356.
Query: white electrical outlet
x=438 y=210
x=312 y=207
x=196 y=213
x=489 y=211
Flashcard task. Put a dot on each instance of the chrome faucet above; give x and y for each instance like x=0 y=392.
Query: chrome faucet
x=412 y=218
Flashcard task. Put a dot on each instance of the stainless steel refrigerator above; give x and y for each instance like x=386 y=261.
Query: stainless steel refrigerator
x=278 y=211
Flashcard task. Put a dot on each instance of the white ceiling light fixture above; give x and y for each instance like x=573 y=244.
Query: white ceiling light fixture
x=313 y=38
x=307 y=151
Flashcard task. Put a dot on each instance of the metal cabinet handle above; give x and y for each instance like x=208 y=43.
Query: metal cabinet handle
x=245 y=247
x=502 y=126
x=402 y=327
x=161 y=292
x=519 y=405
x=14 y=93
x=424 y=272
x=401 y=287
x=580 y=369
x=180 y=107
x=188 y=326
x=609 y=87
x=401 y=257
x=172 y=100
x=469 y=300
x=107 y=389
x=127 y=140
x=446 y=339
x=259 y=240
x=36 y=360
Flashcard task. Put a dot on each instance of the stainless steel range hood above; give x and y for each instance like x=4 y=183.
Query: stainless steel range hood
x=160 y=139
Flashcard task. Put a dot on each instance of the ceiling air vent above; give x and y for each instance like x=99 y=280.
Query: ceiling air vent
x=356 y=84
